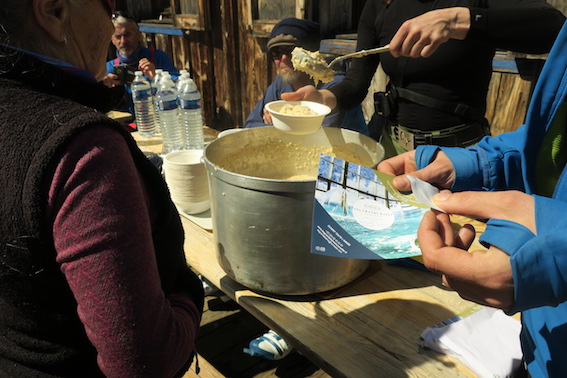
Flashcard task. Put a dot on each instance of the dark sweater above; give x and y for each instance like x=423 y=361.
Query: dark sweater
x=41 y=332
x=459 y=71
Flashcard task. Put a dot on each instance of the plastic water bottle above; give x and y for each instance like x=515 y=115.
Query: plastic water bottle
x=155 y=85
x=185 y=75
x=166 y=98
x=191 y=118
x=143 y=105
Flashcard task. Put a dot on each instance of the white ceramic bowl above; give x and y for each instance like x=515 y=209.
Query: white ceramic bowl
x=297 y=124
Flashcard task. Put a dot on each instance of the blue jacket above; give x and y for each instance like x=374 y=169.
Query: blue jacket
x=539 y=263
x=352 y=119
x=157 y=57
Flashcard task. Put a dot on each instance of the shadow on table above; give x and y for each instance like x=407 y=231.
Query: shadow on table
x=379 y=277
x=380 y=337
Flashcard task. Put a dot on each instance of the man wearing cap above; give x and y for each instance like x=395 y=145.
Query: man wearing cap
x=285 y=36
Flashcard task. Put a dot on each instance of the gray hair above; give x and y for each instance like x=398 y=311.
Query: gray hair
x=122 y=20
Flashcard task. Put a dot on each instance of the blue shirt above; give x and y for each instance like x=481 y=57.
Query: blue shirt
x=159 y=59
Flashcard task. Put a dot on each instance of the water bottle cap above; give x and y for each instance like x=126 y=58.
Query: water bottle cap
x=159 y=70
x=138 y=73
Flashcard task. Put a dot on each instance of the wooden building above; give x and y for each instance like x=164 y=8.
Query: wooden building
x=223 y=45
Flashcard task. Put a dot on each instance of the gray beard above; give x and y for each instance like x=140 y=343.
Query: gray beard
x=291 y=77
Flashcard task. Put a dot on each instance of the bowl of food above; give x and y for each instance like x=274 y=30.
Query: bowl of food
x=297 y=117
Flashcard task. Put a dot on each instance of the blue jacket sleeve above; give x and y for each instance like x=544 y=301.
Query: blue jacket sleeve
x=165 y=63
x=255 y=118
x=110 y=66
x=273 y=93
x=539 y=266
x=494 y=163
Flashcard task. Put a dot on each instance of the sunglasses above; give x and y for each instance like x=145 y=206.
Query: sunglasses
x=277 y=52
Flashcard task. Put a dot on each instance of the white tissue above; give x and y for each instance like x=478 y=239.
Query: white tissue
x=488 y=342
x=424 y=192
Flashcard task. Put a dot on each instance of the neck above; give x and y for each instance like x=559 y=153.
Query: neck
x=130 y=57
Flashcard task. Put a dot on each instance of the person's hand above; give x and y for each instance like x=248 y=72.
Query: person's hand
x=111 y=80
x=439 y=172
x=482 y=276
x=147 y=68
x=267 y=117
x=421 y=36
x=310 y=93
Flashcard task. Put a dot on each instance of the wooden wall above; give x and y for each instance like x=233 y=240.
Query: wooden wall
x=224 y=48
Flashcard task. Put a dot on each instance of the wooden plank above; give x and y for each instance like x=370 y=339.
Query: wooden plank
x=301 y=9
x=182 y=57
x=206 y=370
x=256 y=69
x=228 y=110
x=510 y=104
x=189 y=6
x=163 y=43
x=276 y=9
x=491 y=98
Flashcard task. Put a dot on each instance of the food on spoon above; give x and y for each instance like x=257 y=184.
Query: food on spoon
x=297 y=110
x=312 y=63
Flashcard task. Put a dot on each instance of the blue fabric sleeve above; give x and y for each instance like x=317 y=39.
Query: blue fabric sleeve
x=255 y=118
x=507 y=235
x=273 y=93
x=165 y=63
x=494 y=163
x=110 y=66
x=468 y=175
x=539 y=267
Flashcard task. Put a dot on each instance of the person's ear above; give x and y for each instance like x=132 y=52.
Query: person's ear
x=51 y=16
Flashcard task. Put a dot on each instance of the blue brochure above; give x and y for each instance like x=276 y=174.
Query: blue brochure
x=358 y=214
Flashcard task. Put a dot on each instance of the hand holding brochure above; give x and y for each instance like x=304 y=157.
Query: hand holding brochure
x=359 y=214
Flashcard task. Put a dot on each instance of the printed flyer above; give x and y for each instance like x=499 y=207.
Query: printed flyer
x=358 y=213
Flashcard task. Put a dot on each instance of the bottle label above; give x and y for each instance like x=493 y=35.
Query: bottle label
x=189 y=104
x=141 y=95
x=167 y=105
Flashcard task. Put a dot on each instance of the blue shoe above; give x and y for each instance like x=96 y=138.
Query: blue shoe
x=269 y=346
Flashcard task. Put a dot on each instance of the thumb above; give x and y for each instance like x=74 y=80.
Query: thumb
x=511 y=205
x=428 y=174
x=471 y=204
x=482 y=205
x=292 y=96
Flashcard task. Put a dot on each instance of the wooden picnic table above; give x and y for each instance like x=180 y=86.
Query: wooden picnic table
x=369 y=328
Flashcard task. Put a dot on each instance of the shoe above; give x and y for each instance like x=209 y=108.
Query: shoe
x=269 y=346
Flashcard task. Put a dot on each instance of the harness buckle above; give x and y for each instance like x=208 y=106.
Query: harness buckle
x=405 y=139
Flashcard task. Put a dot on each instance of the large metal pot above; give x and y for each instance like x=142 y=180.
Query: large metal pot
x=262 y=221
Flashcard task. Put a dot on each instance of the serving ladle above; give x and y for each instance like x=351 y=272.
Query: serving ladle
x=315 y=66
x=359 y=54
